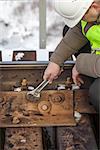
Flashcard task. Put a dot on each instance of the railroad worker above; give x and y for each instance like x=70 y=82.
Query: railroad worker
x=89 y=64
x=83 y=18
x=74 y=39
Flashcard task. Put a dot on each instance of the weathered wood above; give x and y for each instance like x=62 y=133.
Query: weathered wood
x=23 y=139
x=80 y=137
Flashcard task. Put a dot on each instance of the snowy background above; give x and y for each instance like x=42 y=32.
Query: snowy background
x=19 y=27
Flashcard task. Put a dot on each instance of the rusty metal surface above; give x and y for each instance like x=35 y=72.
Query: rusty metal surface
x=23 y=139
x=80 y=137
x=16 y=110
x=13 y=74
x=27 y=55
x=81 y=99
x=53 y=108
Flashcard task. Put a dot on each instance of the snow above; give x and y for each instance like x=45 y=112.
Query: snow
x=19 y=27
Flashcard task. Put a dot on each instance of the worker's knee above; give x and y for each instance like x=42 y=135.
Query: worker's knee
x=94 y=92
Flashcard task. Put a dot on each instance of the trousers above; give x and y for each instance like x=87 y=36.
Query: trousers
x=94 y=92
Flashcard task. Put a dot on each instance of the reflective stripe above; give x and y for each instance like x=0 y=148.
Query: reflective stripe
x=96 y=49
x=97 y=53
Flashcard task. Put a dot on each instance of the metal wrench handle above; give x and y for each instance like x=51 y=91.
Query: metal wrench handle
x=42 y=86
x=39 y=87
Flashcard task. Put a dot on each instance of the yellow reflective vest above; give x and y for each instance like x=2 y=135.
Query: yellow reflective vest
x=92 y=33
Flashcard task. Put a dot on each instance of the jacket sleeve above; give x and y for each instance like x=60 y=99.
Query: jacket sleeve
x=88 y=64
x=72 y=41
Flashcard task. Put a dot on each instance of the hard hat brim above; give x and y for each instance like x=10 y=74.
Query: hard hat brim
x=71 y=22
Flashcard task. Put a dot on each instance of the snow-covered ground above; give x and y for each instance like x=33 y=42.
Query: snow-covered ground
x=19 y=27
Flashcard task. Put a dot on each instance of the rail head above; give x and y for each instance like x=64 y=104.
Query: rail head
x=30 y=64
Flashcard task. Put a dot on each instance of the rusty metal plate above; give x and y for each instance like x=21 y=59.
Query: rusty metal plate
x=23 y=139
x=81 y=99
x=80 y=137
x=52 y=109
x=24 y=55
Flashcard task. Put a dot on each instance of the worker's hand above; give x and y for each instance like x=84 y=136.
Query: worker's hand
x=76 y=77
x=52 y=72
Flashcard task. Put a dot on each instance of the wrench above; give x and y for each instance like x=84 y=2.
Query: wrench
x=36 y=92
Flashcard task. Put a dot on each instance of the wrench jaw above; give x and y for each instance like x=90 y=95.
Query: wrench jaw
x=33 y=97
x=35 y=94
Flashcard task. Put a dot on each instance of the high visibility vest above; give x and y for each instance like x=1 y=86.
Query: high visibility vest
x=92 y=33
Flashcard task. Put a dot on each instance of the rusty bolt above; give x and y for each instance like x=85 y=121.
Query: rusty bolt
x=24 y=82
x=16 y=120
x=1 y=99
x=44 y=107
x=57 y=97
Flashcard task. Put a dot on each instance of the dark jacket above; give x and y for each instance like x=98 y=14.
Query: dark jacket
x=72 y=42
x=88 y=64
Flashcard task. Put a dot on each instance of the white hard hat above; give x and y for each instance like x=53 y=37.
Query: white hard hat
x=72 y=10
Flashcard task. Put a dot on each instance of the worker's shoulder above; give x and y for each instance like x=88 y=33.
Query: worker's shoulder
x=76 y=31
x=76 y=28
